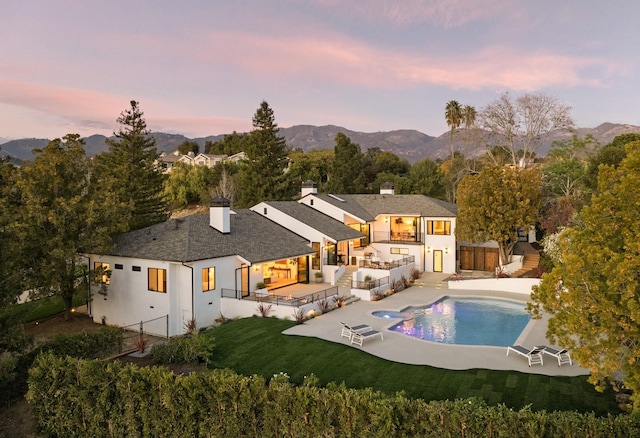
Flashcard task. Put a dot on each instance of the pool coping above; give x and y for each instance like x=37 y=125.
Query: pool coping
x=398 y=347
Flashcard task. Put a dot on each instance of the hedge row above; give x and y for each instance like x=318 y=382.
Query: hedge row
x=83 y=345
x=74 y=398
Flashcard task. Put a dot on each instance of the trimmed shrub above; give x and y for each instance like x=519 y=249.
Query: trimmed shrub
x=193 y=348
x=78 y=398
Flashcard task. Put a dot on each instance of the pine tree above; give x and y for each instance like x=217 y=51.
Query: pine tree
x=129 y=172
x=263 y=176
x=347 y=171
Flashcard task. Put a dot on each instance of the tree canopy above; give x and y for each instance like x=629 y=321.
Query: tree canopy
x=495 y=203
x=593 y=294
x=523 y=123
x=60 y=218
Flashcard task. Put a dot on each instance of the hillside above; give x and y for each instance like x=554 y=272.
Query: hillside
x=405 y=143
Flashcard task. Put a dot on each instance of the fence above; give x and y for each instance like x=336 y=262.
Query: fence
x=285 y=300
x=137 y=330
x=369 y=284
x=366 y=263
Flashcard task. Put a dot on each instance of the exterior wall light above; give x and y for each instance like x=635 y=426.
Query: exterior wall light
x=428 y=249
x=446 y=250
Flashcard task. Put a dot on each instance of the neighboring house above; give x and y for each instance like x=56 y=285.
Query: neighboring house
x=236 y=158
x=169 y=160
x=208 y=160
x=179 y=268
x=395 y=226
x=329 y=238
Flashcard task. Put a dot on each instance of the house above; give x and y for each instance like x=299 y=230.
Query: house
x=329 y=238
x=202 y=266
x=394 y=226
x=208 y=160
x=167 y=161
x=176 y=271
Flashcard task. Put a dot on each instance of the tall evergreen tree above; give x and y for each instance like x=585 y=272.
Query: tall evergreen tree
x=347 y=171
x=129 y=171
x=263 y=176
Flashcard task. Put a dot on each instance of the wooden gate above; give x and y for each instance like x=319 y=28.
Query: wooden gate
x=478 y=258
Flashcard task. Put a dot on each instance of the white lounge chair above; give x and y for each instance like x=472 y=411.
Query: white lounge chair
x=358 y=338
x=348 y=331
x=534 y=356
x=562 y=355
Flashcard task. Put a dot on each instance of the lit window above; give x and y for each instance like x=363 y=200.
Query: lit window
x=102 y=272
x=439 y=227
x=158 y=280
x=208 y=279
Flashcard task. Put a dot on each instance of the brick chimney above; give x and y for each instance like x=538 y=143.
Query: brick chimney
x=220 y=215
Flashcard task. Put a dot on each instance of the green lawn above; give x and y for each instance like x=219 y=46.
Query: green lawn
x=256 y=346
x=42 y=308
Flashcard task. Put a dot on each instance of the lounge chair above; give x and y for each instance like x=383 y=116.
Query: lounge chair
x=348 y=331
x=562 y=355
x=534 y=356
x=359 y=337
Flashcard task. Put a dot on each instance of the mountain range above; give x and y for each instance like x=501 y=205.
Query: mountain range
x=409 y=144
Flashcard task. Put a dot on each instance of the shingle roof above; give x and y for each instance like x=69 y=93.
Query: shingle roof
x=251 y=236
x=367 y=207
x=326 y=225
x=348 y=205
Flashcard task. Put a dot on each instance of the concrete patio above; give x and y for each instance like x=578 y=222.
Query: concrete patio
x=402 y=348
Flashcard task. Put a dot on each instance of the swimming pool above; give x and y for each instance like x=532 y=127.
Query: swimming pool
x=466 y=321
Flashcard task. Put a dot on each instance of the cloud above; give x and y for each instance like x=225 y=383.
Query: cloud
x=445 y=13
x=346 y=61
x=89 y=112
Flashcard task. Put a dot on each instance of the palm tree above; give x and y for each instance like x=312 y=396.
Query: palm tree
x=453 y=116
x=468 y=113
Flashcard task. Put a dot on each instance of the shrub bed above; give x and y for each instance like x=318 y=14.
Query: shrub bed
x=72 y=397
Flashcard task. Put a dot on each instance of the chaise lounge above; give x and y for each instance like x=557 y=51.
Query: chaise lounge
x=359 y=337
x=534 y=356
x=562 y=355
x=348 y=331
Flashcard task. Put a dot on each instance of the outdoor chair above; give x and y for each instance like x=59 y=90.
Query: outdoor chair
x=534 y=356
x=348 y=331
x=562 y=355
x=358 y=338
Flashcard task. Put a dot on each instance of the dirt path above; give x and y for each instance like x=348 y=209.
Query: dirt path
x=16 y=420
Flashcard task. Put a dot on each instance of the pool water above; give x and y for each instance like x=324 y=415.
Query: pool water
x=466 y=321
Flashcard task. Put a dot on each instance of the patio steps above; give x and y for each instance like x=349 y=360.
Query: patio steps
x=530 y=263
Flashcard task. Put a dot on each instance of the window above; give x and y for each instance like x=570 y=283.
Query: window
x=102 y=271
x=364 y=229
x=118 y=266
x=439 y=227
x=136 y=269
x=208 y=279
x=404 y=251
x=315 y=261
x=158 y=280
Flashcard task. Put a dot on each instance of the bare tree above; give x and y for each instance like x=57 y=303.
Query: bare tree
x=522 y=125
x=225 y=188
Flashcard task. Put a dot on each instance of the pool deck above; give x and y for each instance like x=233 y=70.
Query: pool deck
x=398 y=347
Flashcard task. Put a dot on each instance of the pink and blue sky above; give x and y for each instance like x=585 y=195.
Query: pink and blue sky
x=202 y=67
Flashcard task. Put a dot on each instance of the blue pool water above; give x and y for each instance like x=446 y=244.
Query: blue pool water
x=466 y=321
